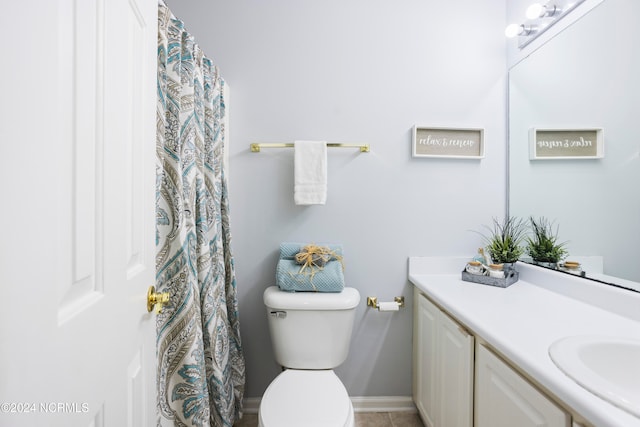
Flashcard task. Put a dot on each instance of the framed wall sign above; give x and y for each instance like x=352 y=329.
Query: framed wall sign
x=566 y=143
x=448 y=142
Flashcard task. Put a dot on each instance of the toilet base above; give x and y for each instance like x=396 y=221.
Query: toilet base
x=298 y=398
x=351 y=422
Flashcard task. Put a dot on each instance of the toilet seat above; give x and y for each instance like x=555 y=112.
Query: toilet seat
x=306 y=398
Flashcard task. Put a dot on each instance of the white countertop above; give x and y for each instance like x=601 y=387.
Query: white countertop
x=523 y=320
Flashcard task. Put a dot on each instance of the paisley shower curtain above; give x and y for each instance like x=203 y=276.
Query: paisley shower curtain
x=200 y=361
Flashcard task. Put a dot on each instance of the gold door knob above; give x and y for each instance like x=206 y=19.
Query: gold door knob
x=156 y=299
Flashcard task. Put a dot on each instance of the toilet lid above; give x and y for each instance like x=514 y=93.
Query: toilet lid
x=305 y=398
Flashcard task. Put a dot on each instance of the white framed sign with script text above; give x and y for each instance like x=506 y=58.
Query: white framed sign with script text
x=464 y=143
x=566 y=144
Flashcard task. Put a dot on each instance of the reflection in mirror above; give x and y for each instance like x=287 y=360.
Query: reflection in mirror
x=587 y=76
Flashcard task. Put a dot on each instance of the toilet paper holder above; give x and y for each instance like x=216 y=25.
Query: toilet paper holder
x=373 y=302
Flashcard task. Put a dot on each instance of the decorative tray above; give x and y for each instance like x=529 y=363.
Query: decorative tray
x=510 y=278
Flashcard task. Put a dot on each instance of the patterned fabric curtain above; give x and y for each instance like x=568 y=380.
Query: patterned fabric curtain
x=200 y=361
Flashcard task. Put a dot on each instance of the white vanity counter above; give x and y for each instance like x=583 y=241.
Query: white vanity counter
x=523 y=320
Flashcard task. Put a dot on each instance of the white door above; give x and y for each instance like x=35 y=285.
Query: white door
x=77 y=141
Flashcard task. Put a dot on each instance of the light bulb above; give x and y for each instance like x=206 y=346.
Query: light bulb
x=513 y=30
x=536 y=11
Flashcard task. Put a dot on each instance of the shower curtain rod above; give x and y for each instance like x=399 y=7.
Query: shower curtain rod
x=256 y=147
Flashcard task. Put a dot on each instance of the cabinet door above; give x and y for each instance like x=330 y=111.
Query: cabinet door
x=506 y=399
x=424 y=365
x=455 y=383
x=443 y=367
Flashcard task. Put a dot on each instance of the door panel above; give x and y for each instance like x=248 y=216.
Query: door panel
x=80 y=118
x=78 y=346
x=456 y=374
x=426 y=362
x=505 y=399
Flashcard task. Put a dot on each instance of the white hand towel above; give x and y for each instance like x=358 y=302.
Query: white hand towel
x=310 y=168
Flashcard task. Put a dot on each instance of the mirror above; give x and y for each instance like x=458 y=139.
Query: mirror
x=587 y=76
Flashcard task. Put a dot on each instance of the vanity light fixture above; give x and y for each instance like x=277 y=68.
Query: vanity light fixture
x=514 y=30
x=539 y=17
x=539 y=10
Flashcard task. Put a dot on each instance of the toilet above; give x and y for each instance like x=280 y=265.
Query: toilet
x=310 y=332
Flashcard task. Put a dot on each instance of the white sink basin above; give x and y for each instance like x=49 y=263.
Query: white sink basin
x=608 y=367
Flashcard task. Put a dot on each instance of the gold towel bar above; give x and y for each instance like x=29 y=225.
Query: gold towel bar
x=255 y=147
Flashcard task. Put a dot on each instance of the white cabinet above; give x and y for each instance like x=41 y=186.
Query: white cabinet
x=424 y=357
x=443 y=367
x=505 y=399
x=446 y=392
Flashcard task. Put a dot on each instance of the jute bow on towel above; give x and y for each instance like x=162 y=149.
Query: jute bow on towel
x=315 y=257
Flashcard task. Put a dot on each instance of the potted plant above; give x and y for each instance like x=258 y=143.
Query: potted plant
x=505 y=242
x=543 y=245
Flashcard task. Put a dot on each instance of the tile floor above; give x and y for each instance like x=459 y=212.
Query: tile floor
x=363 y=419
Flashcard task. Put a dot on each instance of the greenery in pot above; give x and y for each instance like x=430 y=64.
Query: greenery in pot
x=543 y=245
x=506 y=239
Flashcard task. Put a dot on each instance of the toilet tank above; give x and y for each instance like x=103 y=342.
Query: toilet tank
x=310 y=330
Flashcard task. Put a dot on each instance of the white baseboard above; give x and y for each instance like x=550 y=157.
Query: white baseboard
x=360 y=404
x=383 y=404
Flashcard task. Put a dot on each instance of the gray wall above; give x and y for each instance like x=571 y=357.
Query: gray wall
x=356 y=71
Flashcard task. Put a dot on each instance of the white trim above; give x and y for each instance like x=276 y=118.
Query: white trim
x=383 y=404
x=360 y=404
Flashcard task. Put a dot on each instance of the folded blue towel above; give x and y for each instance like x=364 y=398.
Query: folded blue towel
x=289 y=249
x=330 y=278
